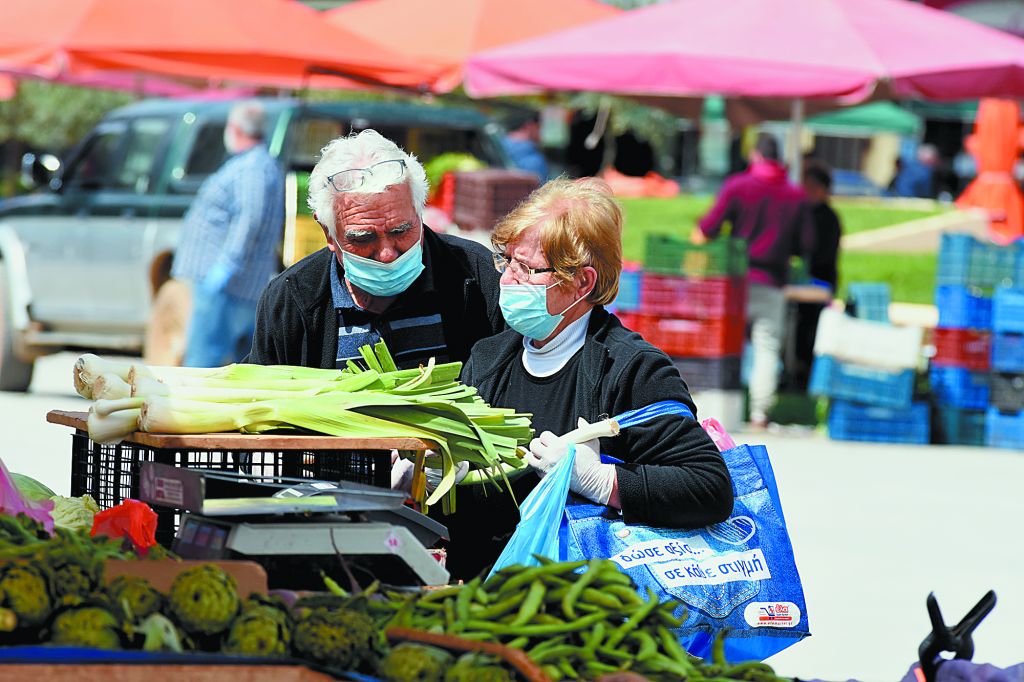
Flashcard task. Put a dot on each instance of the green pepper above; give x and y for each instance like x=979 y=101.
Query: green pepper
x=502 y=607
x=438 y=595
x=635 y=619
x=530 y=574
x=564 y=666
x=532 y=603
x=465 y=598
x=671 y=646
x=553 y=672
x=569 y=600
x=648 y=646
x=543 y=630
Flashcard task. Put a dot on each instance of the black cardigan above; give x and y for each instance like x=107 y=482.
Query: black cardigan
x=297 y=324
x=673 y=474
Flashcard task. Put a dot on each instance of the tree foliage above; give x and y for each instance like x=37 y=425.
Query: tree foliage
x=54 y=116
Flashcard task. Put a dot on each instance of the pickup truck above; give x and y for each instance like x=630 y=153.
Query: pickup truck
x=84 y=262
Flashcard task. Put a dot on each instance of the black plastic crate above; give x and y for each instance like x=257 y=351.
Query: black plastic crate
x=952 y=426
x=110 y=473
x=1007 y=392
x=709 y=373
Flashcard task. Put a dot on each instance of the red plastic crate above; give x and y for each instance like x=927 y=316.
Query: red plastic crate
x=965 y=348
x=690 y=298
x=694 y=338
x=629 y=320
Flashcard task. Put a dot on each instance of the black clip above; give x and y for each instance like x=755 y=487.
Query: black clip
x=956 y=640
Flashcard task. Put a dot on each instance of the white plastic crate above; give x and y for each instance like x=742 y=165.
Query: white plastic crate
x=725 y=406
x=864 y=342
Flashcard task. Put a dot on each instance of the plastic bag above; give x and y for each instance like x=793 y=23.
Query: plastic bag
x=131 y=519
x=540 y=518
x=738 y=575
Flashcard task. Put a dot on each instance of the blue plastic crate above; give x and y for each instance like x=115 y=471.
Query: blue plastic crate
x=1008 y=310
x=628 y=298
x=853 y=421
x=1008 y=352
x=961 y=309
x=952 y=426
x=1004 y=430
x=959 y=387
x=954 y=259
x=871 y=300
x=991 y=265
x=868 y=385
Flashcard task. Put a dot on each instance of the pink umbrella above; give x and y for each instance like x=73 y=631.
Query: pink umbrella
x=848 y=49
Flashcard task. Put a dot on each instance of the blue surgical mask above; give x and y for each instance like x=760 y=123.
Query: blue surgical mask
x=525 y=307
x=384 y=279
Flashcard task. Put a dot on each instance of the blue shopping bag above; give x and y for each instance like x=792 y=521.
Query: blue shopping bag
x=739 y=575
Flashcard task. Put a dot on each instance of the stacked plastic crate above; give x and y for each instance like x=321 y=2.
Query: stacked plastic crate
x=690 y=301
x=1005 y=417
x=964 y=375
x=866 y=369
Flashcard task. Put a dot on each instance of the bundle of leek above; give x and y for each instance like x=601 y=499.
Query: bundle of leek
x=378 y=401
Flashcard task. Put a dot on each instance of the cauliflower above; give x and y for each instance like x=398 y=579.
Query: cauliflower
x=260 y=630
x=414 y=663
x=90 y=626
x=136 y=595
x=25 y=591
x=340 y=638
x=74 y=513
x=204 y=600
x=474 y=667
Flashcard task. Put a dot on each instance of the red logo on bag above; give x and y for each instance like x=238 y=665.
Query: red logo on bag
x=775 y=613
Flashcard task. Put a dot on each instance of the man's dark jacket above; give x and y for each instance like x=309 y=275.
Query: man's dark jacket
x=297 y=324
x=673 y=474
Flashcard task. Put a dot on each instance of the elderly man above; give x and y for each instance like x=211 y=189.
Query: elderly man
x=383 y=274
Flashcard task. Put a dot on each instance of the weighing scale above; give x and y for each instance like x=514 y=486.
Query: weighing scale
x=296 y=528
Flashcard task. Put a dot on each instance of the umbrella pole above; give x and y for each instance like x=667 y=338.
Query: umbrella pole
x=796 y=156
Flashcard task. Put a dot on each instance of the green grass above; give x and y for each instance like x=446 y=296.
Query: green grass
x=860 y=217
x=911 y=276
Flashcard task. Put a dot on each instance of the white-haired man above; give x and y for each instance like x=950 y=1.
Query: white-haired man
x=227 y=249
x=383 y=274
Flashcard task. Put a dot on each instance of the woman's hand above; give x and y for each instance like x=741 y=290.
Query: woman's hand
x=590 y=478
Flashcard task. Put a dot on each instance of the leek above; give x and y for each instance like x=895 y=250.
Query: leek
x=112 y=427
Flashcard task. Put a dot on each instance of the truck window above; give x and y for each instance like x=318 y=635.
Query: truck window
x=426 y=142
x=93 y=165
x=145 y=140
x=208 y=152
x=308 y=137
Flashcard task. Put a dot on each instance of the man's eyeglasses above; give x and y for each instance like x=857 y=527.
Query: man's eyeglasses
x=388 y=172
x=503 y=262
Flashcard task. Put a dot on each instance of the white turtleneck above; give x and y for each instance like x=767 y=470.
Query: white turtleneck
x=543 y=362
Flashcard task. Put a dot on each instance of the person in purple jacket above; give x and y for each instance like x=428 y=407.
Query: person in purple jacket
x=774 y=218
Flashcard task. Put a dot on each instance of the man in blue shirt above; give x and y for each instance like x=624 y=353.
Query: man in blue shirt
x=228 y=247
x=522 y=144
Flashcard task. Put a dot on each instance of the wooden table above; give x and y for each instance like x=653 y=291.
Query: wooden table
x=236 y=442
x=111 y=472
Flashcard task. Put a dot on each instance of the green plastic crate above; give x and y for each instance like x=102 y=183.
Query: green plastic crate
x=665 y=254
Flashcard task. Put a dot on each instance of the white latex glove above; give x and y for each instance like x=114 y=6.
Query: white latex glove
x=402 y=470
x=590 y=478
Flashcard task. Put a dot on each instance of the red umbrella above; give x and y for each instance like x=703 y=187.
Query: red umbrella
x=273 y=42
x=764 y=48
x=447 y=33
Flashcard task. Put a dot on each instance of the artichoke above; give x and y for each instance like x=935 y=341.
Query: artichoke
x=474 y=667
x=414 y=663
x=90 y=626
x=204 y=600
x=340 y=638
x=136 y=595
x=260 y=630
x=24 y=590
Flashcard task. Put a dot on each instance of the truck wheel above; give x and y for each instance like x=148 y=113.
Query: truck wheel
x=15 y=373
x=167 y=329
